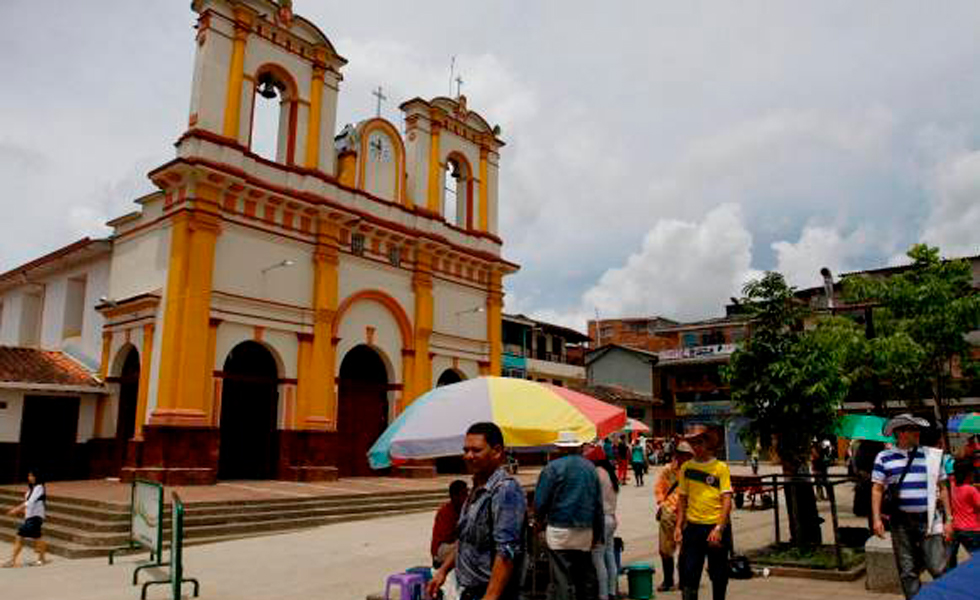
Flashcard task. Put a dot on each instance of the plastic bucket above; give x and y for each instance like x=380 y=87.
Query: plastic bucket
x=640 y=577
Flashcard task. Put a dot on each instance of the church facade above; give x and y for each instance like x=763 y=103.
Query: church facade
x=267 y=317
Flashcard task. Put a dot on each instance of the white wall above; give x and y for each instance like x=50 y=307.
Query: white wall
x=139 y=262
x=10 y=416
x=10 y=324
x=454 y=310
x=52 y=290
x=387 y=335
x=358 y=274
x=240 y=256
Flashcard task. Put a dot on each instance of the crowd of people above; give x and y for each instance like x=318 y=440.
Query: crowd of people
x=573 y=510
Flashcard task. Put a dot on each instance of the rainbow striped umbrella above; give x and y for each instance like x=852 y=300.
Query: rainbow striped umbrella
x=530 y=414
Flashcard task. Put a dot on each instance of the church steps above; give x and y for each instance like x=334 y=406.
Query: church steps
x=93 y=528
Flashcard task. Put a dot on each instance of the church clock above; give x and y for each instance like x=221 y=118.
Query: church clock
x=379 y=147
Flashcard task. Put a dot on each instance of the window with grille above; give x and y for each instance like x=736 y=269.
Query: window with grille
x=395 y=256
x=357 y=244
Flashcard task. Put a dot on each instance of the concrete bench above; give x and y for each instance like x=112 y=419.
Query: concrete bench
x=880 y=561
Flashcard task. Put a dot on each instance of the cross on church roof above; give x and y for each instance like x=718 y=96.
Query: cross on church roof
x=459 y=86
x=380 y=96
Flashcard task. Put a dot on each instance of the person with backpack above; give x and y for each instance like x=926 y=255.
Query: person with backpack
x=490 y=551
x=33 y=509
x=915 y=483
x=666 y=493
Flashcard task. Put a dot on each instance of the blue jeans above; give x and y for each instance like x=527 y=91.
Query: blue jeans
x=970 y=541
x=604 y=559
x=914 y=550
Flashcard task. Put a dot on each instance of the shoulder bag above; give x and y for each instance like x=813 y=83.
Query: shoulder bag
x=890 y=498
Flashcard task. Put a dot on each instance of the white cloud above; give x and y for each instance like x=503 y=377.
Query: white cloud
x=800 y=262
x=954 y=220
x=684 y=270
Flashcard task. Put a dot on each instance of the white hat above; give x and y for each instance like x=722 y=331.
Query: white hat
x=685 y=447
x=904 y=420
x=568 y=439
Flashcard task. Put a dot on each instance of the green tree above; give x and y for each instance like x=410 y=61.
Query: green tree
x=790 y=382
x=922 y=316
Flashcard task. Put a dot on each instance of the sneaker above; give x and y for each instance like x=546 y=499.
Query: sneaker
x=665 y=587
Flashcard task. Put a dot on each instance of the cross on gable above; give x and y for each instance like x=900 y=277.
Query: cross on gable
x=379 y=94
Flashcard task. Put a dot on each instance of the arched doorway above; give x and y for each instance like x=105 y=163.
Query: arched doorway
x=449 y=376
x=363 y=408
x=129 y=389
x=249 y=413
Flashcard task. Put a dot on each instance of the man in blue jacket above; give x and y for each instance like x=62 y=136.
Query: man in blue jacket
x=568 y=504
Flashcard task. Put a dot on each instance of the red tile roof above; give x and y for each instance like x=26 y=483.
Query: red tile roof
x=27 y=366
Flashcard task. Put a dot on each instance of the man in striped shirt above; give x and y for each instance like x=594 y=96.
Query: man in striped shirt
x=917 y=527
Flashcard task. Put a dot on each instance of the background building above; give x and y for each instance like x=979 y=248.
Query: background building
x=623 y=376
x=543 y=351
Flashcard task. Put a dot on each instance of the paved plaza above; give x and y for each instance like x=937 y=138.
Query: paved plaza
x=350 y=560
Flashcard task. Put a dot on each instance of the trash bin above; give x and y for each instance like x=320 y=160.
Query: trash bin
x=640 y=577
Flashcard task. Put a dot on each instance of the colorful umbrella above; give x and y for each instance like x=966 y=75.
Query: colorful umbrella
x=863 y=427
x=632 y=425
x=530 y=414
x=965 y=423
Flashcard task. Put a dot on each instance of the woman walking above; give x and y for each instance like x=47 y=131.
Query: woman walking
x=638 y=461
x=604 y=554
x=33 y=510
x=966 y=511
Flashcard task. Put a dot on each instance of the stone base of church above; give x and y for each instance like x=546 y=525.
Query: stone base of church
x=414 y=471
x=174 y=456
x=105 y=457
x=307 y=456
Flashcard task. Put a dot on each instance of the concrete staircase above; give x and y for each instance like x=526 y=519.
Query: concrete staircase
x=77 y=528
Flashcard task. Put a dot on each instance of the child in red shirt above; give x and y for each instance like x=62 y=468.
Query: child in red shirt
x=966 y=511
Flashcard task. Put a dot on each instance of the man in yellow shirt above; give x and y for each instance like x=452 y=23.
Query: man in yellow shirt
x=703 y=511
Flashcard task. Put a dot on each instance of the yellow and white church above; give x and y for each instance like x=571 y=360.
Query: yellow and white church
x=260 y=318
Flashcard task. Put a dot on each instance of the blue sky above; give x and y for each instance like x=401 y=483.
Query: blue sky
x=658 y=154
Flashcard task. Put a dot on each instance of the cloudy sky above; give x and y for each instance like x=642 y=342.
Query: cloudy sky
x=658 y=153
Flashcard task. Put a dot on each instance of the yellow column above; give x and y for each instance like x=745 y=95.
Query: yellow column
x=303 y=374
x=236 y=74
x=408 y=379
x=209 y=364
x=106 y=354
x=173 y=311
x=313 y=124
x=424 y=309
x=185 y=374
x=146 y=359
x=484 y=190
x=435 y=170
x=320 y=391
x=495 y=303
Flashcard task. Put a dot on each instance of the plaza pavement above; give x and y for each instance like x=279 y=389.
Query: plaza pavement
x=350 y=560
